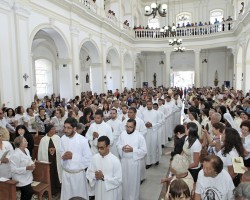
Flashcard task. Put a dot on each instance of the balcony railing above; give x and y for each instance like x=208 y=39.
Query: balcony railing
x=90 y=4
x=112 y=18
x=187 y=31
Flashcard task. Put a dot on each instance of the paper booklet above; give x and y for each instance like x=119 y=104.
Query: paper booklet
x=35 y=183
x=5 y=154
x=238 y=165
x=2 y=179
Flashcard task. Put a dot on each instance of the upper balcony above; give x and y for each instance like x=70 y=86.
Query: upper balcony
x=187 y=32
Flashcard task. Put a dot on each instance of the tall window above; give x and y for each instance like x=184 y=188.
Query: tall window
x=44 y=84
x=216 y=14
x=154 y=22
x=183 y=18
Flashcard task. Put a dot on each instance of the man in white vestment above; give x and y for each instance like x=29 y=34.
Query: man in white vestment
x=151 y=120
x=124 y=114
x=132 y=148
x=105 y=172
x=169 y=118
x=116 y=126
x=177 y=110
x=164 y=137
x=161 y=118
x=49 y=151
x=97 y=129
x=75 y=158
x=142 y=129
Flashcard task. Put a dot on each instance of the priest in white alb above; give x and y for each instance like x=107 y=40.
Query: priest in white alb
x=75 y=158
x=116 y=126
x=97 y=129
x=132 y=148
x=49 y=151
x=152 y=121
x=105 y=172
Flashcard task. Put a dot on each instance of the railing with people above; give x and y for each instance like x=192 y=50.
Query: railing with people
x=191 y=31
x=112 y=18
x=90 y=4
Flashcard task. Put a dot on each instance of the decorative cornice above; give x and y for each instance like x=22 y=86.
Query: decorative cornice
x=6 y=4
x=22 y=10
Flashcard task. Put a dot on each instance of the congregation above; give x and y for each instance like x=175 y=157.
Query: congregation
x=100 y=145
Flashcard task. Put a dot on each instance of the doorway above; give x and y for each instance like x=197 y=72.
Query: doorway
x=182 y=79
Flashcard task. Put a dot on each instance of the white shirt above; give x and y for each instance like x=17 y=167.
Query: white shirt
x=5 y=124
x=227 y=159
x=5 y=167
x=246 y=144
x=220 y=187
x=18 y=162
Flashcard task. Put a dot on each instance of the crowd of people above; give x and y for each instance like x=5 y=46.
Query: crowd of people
x=100 y=145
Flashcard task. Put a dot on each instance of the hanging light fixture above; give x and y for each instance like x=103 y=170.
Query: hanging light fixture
x=154 y=7
x=179 y=49
x=175 y=41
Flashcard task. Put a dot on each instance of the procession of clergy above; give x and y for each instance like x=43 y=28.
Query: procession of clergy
x=109 y=161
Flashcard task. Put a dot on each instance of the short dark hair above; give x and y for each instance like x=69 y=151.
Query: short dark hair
x=245 y=123
x=155 y=104
x=105 y=139
x=132 y=120
x=72 y=121
x=99 y=112
x=179 y=128
x=216 y=162
x=220 y=126
x=133 y=109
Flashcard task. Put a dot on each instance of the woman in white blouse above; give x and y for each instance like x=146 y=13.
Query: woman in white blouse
x=191 y=149
x=245 y=136
x=58 y=121
x=232 y=147
x=5 y=151
x=22 y=167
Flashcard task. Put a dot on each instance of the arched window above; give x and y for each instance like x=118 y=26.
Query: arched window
x=44 y=83
x=216 y=14
x=183 y=18
x=154 y=22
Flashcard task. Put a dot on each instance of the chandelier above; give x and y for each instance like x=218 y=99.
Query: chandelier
x=175 y=41
x=179 y=49
x=152 y=10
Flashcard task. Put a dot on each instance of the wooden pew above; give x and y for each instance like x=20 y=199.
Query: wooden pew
x=8 y=190
x=36 y=145
x=42 y=174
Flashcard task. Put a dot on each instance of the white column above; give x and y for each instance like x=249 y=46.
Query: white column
x=228 y=56
x=122 y=76
x=244 y=78
x=234 y=65
x=167 y=64
x=23 y=51
x=197 y=67
x=104 y=65
x=75 y=61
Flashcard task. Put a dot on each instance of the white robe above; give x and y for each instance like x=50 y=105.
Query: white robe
x=43 y=152
x=131 y=163
x=116 y=126
x=102 y=129
x=74 y=182
x=152 y=136
x=161 y=127
x=169 y=120
x=142 y=129
x=177 y=112
x=111 y=187
x=5 y=167
x=164 y=137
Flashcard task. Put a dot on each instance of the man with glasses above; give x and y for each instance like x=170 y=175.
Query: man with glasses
x=75 y=158
x=132 y=149
x=105 y=172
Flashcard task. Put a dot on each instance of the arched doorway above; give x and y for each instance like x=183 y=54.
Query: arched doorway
x=48 y=49
x=128 y=71
x=113 y=70
x=91 y=78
